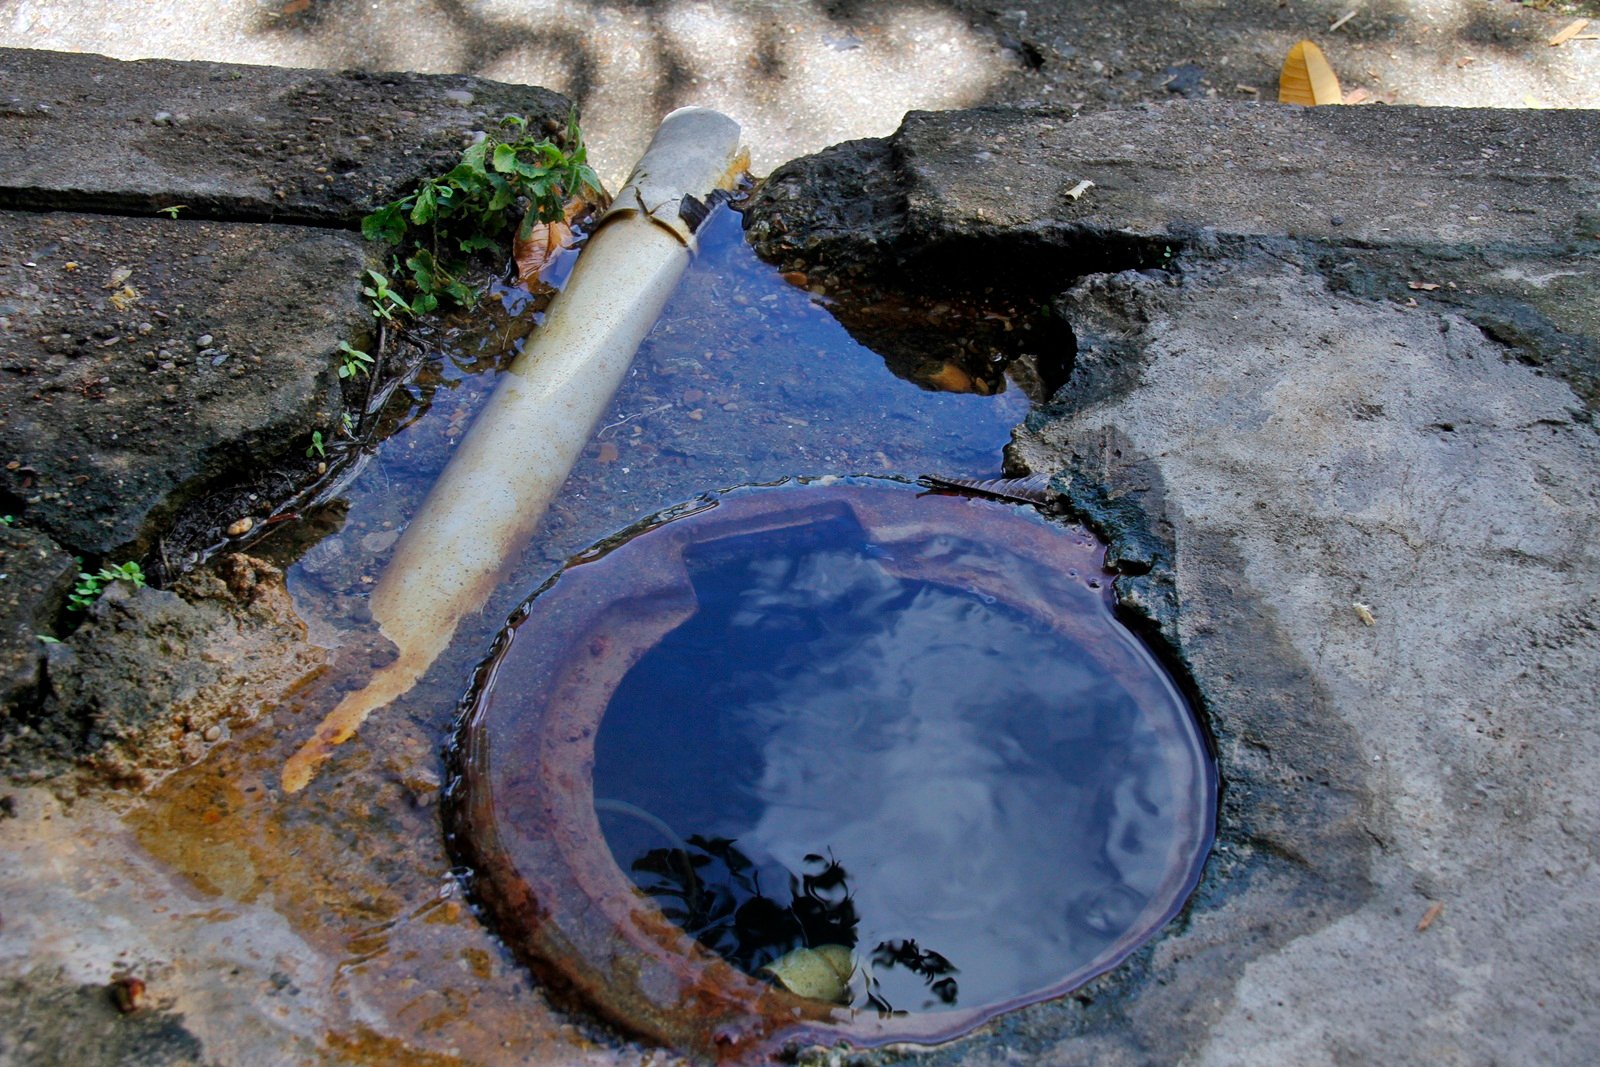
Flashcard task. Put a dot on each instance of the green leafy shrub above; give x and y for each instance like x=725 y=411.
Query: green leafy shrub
x=501 y=178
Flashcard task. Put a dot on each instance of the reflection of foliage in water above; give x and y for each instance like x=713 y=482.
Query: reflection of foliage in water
x=713 y=890
x=938 y=972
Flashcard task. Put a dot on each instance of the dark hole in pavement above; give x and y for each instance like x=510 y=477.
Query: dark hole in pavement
x=889 y=751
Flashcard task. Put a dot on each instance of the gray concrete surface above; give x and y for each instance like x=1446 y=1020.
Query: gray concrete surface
x=234 y=142
x=1274 y=416
x=804 y=74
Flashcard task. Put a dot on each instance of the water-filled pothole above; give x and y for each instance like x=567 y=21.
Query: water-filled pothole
x=847 y=730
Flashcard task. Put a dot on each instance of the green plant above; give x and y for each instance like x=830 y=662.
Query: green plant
x=385 y=301
x=171 y=212
x=347 y=423
x=508 y=175
x=8 y=520
x=90 y=586
x=352 y=361
x=316 y=447
x=46 y=639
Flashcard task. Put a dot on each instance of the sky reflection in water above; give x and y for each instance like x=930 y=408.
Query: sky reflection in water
x=978 y=784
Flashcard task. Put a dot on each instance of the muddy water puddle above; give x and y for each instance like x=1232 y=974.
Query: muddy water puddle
x=330 y=925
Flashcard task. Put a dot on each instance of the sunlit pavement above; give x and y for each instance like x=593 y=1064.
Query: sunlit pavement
x=802 y=74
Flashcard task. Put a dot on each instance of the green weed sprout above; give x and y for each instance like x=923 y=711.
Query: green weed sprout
x=352 y=361
x=90 y=586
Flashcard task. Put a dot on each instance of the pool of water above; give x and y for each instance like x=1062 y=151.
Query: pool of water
x=343 y=901
x=902 y=730
x=965 y=797
x=746 y=378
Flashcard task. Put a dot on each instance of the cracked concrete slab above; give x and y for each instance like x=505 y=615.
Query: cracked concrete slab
x=144 y=358
x=228 y=141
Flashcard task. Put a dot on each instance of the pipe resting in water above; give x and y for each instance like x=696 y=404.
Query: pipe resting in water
x=488 y=501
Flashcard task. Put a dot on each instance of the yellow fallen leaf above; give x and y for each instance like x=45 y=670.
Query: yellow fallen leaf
x=821 y=973
x=1307 y=78
x=1364 y=613
x=1568 y=32
x=1426 y=287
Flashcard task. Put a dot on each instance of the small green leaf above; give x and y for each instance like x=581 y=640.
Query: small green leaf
x=503 y=196
x=473 y=158
x=47 y=639
x=505 y=158
x=423 y=211
x=387 y=223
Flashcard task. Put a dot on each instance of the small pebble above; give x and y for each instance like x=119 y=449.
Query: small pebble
x=379 y=541
x=127 y=993
x=241 y=527
x=213 y=732
x=204 y=340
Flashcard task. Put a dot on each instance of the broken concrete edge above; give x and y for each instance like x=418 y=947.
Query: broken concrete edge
x=216 y=164
x=1292 y=837
x=992 y=199
x=234 y=142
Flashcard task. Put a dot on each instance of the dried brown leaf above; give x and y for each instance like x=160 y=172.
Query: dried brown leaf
x=1434 y=911
x=1307 y=78
x=1568 y=32
x=536 y=244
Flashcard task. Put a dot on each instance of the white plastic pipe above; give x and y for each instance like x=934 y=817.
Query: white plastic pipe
x=495 y=489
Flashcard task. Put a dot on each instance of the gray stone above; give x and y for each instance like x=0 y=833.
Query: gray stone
x=109 y=415
x=88 y=133
x=35 y=577
x=1488 y=212
x=1400 y=176
x=151 y=676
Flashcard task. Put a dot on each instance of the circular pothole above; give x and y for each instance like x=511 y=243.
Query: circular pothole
x=820 y=763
